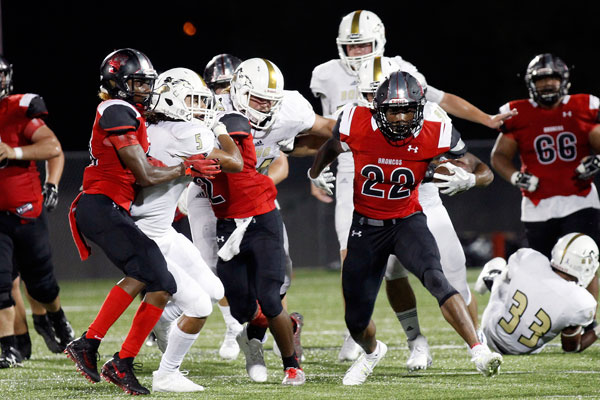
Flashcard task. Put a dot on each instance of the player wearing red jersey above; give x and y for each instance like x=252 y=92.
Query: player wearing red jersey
x=554 y=134
x=118 y=166
x=392 y=147
x=24 y=139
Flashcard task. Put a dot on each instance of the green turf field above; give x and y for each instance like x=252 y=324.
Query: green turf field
x=316 y=294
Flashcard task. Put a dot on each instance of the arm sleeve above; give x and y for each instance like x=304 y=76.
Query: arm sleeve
x=458 y=147
x=236 y=123
x=119 y=119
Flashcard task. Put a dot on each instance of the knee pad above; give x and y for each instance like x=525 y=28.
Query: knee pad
x=356 y=322
x=437 y=284
x=43 y=290
x=6 y=300
x=242 y=312
x=270 y=305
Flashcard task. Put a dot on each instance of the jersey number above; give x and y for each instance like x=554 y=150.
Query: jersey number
x=517 y=310
x=548 y=150
x=207 y=186
x=401 y=177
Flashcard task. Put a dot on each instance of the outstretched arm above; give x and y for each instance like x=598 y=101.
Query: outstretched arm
x=461 y=108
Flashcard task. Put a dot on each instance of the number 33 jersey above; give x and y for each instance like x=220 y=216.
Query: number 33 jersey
x=532 y=304
x=386 y=177
x=553 y=142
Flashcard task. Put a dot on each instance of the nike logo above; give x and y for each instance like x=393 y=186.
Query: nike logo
x=119 y=373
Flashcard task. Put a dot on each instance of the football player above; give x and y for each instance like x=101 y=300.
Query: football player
x=219 y=71
x=361 y=36
x=100 y=213
x=180 y=127
x=534 y=299
x=554 y=135
x=24 y=243
x=392 y=145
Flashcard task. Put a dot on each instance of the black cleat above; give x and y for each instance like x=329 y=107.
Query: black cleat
x=62 y=328
x=24 y=345
x=42 y=325
x=298 y=320
x=84 y=353
x=120 y=372
x=10 y=357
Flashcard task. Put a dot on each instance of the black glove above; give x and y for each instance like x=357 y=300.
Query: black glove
x=50 y=193
x=588 y=167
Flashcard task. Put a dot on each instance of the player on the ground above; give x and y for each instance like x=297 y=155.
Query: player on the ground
x=392 y=146
x=534 y=299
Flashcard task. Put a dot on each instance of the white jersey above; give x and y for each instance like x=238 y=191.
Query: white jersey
x=531 y=304
x=296 y=115
x=154 y=206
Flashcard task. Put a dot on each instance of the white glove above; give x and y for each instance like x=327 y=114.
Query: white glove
x=588 y=167
x=525 y=180
x=286 y=145
x=324 y=181
x=458 y=182
x=219 y=129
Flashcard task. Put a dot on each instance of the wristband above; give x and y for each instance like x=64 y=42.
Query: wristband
x=18 y=153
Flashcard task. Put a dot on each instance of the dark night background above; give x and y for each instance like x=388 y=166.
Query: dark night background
x=473 y=51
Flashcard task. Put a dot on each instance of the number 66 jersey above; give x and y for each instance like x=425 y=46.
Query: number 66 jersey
x=530 y=305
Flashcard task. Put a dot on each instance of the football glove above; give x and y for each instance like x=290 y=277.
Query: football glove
x=525 y=180
x=588 y=167
x=324 y=181
x=458 y=182
x=197 y=166
x=50 y=193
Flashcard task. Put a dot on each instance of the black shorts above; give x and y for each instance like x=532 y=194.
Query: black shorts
x=114 y=231
x=258 y=271
x=542 y=236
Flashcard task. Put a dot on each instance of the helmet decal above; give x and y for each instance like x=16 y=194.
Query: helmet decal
x=568 y=244
x=355 y=30
x=377 y=71
x=272 y=74
x=117 y=62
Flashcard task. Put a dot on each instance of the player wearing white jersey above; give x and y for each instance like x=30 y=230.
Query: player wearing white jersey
x=534 y=299
x=361 y=37
x=174 y=134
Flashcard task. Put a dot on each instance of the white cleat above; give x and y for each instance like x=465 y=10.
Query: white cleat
x=486 y=361
x=492 y=268
x=255 y=362
x=350 y=349
x=161 y=332
x=361 y=368
x=230 y=348
x=163 y=381
x=420 y=357
x=294 y=377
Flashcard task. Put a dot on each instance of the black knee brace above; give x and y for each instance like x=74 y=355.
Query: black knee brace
x=6 y=300
x=43 y=290
x=437 y=284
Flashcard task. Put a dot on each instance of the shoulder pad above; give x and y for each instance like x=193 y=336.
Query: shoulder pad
x=236 y=122
x=117 y=116
x=36 y=108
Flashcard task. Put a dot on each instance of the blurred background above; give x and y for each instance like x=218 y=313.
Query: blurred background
x=477 y=52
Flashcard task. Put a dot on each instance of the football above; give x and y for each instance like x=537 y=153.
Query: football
x=444 y=170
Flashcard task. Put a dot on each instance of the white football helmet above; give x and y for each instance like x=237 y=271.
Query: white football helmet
x=261 y=78
x=370 y=74
x=173 y=86
x=356 y=28
x=576 y=254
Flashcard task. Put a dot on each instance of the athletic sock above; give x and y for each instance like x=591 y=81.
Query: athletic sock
x=114 y=305
x=290 y=362
x=8 y=341
x=256 y=332
x=227 y=317
x=179 y=344
x=144 y=320
x=410 y=323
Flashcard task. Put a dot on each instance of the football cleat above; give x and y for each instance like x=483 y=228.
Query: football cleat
x=230 y=348
x=163 y=381
x=161 y=332
x=84 y=353
x=350 y=349
x=420 y=357
x=299 y=323
x=63 y=330
x=360 y=370
x=151 y=340
x=120 y=372
x=24 y=345
x=10 y=357
x=44 y=328
x=491 y=269
x=255 y=362
x=486 y=361
x=294 y=377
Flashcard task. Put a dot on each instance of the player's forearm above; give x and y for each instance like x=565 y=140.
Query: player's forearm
x=39 y=151
x=459 y=107
x=307 y=145
x=54 y=169
x=587 y=339
x=230 y=158
x=279 y=169
x=483 y=175
x=503 y=165
x=327 y=153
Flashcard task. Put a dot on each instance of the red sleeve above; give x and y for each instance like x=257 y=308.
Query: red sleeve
x=31 y=127
x=120 y=141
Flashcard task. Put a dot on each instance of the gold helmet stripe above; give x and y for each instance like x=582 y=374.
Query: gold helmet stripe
x=377 y=72
x=355 y=22
x=568 y=244
x=272 y=74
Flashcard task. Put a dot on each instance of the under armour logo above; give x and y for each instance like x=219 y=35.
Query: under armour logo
x=356 y=233
x=567 y=114
x=414 y=149
x=220 y=239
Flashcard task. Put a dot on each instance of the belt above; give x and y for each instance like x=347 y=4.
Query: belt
x=378 y=222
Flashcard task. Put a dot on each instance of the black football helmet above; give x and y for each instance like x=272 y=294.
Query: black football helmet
x=6 y=70
x=219 y=70
x=123 y=65
x=400 y=90
x=544 y=65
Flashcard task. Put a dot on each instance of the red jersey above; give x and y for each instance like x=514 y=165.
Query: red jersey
x=118 y=124
x=386 y=177
x=19 y=179
x=244 y=194
x=552 y=142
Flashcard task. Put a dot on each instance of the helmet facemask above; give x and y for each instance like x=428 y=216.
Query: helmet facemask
x=576 y=255
x=360 y=27
x=544 y=66
x=6 y=85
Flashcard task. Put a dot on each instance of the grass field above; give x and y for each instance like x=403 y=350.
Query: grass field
x=316 y=294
